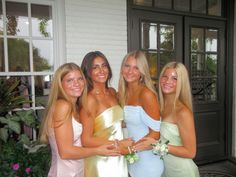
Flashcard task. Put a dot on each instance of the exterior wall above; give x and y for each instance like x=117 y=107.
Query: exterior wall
x=234 y=90
x=97 y=25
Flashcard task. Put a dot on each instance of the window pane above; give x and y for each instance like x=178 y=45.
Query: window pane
x=181 y=5
x=167 y=37
x=149 y=36
x=211 y=40
x=17 y=19
x=165 y=4
x=197 y=39
x=214 y=7
x=2 y=63
x=42 y=88
x=143 y=2
x=199 y=6
x=41 y=20
x=24 y=88
x=1 y=19
x=43 y=55
x=18 y=55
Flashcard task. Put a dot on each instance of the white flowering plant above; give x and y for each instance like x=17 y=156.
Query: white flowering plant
x=131 y=158
x=160 y=148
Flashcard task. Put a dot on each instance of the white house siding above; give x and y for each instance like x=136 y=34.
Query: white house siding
x=234 y=90
x=97 y=25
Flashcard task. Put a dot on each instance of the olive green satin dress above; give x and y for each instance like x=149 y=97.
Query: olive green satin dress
x=176 y=166
x=108 y=126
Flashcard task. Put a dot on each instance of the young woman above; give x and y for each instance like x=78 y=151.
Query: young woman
x=141 y=111
x=102 y=118
x=177 y=125
x=61 y=124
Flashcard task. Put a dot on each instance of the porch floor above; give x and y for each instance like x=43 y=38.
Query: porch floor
x=219 y=169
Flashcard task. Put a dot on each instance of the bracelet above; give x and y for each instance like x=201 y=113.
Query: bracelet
x=116 y=144
x=129 y=149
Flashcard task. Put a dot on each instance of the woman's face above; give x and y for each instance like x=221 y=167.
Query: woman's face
x=168 y=81
x=73 y=84
x=130 y=70
x=100 y=71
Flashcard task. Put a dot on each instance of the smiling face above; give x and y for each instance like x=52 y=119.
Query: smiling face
x=100 y=71
x=130 y=70
x=73 y=84
x=168 y=81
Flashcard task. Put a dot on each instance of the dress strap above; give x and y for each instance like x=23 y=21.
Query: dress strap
x=150 y=122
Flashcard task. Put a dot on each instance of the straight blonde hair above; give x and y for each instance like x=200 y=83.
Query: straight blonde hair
x=57 y=93
x=183 y=90
x=145 y=79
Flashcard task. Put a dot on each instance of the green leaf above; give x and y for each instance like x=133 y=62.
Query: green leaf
x=15 y=126
x=24 y=139
x=4 y=134
x=3 y=120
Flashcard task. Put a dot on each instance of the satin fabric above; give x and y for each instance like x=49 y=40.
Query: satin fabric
x=66 y=168
x=107 y=125
x=138 y=123
x=176 y=166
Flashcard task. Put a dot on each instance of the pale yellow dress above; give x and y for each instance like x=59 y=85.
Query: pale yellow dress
x=108 y=126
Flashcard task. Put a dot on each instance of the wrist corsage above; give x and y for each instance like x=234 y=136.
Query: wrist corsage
x=132 y=156
x=160 y=148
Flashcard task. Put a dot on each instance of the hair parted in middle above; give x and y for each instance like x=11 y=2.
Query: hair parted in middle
x=87 y=65
x=183 y=89
x=145 y=78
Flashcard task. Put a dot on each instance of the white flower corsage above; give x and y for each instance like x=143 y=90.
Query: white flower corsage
x=160 y=148
x=132 y=156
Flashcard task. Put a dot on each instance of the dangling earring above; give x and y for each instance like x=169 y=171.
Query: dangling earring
x=141 y=79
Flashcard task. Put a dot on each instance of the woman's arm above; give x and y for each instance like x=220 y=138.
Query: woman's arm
x=185 y=122
x=64 y=137
x=150 y=105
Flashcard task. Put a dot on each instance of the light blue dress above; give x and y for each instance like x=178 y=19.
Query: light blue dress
x=138 y=123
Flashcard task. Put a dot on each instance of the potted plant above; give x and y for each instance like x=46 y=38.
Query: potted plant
x=19 y=155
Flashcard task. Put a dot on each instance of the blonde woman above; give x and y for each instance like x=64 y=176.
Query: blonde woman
x=61 y=125
x=141 y=113
x=177 y=125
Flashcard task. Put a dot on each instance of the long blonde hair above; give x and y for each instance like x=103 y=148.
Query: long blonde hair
x=183 y=90
x=145 y=79
x=56 y=93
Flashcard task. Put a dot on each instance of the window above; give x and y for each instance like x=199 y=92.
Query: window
x=207 y=7
x=27 y=48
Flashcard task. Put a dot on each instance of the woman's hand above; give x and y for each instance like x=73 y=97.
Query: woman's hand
x=108 y=150
x=125 y=142
x=144 y=144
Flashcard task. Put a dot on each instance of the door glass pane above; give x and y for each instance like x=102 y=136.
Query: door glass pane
x=197 y=64
x=143 y=2
x=199 y=6
x=167 y=37
x=211 y=65
x=181 y=5
x=153 y=67
x=165 y=4
x=18 y=55
x=214 y=7
x=41 y=20
x=2 y=63
x=43 y=55
x=211 y=40
x=149 y=35
x=165 y=58
x=197 y=39
x=204 y=65
x=17 y=19
x=42 y=88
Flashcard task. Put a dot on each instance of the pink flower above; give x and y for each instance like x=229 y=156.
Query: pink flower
x=28 y=170
x=16 y=176
x=15 y=166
